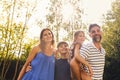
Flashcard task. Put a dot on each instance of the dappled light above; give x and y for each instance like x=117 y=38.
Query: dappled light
x=21 y=22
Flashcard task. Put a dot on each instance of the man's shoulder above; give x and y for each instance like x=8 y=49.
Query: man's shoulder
x=87 y=45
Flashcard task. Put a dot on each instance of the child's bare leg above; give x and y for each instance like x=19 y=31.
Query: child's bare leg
x=75 y=67
x=72 y=75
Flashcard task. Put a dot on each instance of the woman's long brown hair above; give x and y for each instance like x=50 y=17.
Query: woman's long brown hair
x=41 y=36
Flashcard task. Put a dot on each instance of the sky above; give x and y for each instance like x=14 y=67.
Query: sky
x=93 y=13
x=94 y=9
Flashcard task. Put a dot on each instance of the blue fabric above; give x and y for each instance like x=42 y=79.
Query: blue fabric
x=42 y=68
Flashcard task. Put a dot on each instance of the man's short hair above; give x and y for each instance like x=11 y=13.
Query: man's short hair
x=93 y=25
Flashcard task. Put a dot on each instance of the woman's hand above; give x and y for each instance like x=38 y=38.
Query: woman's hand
x=56 y=54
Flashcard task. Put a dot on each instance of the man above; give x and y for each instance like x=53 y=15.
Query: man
x=93 y=53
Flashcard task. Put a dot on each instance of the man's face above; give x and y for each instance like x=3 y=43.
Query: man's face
x=96 y=34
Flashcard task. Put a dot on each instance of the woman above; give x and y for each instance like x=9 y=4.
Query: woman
x=78 y=64
x=41 y=59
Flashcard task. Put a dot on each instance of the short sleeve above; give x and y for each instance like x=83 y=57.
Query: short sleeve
x=84 y=52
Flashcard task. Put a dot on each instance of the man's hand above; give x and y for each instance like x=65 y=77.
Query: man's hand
x=90 y=70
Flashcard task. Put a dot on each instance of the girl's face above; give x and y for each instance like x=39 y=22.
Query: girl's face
x=63 y=49
x=81 y=37
x=47 y=36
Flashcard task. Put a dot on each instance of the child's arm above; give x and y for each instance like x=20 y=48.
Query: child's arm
x=81 y=59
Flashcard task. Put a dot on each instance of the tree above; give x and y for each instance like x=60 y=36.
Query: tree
x=12 y=33
x=111 y=42
x=59 y=17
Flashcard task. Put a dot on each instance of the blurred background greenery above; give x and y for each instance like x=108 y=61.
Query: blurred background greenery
x=63 y=18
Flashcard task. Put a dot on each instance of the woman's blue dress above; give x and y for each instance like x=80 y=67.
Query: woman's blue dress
x=42 y=68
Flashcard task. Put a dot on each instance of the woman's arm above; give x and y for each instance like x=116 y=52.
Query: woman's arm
x=29 y=59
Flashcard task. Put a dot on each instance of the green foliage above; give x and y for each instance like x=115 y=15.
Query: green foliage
x=111 y=42
x=27 y=48
x=13 y=27
x=55 y=18
x=12 y=33
x=11 y=45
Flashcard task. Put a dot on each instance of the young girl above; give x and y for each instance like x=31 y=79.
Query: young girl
x=78 y=64
x=41 y=59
